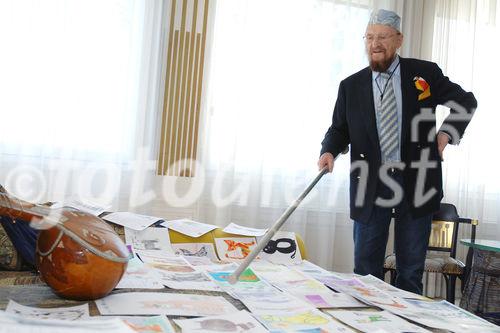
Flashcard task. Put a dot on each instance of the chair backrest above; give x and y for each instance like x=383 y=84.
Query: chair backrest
x=444 y=232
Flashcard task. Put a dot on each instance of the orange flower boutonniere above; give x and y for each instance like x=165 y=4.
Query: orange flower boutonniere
x=423 y=86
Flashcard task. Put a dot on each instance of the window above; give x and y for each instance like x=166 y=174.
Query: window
x=70 y=75
x=275 y=73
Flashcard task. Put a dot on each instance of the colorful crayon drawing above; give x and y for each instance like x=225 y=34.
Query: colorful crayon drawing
x=240 y=250
x=372 y=319
x=305 y=318
x=308 y=284
x=317 y=300
x=366 y=292
x=237 y=322
x=247 y=276
x=393 y=304
x=156 y=324
x=369 y=321
x=151 y=328
x=172 y=268
x=190 y=306
x=223 y=325
x=192 y=277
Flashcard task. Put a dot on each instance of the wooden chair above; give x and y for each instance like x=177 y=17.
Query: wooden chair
x=443 y=238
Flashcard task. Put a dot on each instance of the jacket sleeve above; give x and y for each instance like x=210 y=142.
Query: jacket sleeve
x=337 y=137
x=462 y=105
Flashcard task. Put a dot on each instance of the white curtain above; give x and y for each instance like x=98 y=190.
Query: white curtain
x=464 y=44
x=274 y=73
x=80 y=86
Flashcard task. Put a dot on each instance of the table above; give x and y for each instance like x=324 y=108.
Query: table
x=482 y=290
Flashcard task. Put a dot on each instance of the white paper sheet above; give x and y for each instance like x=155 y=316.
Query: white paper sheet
x=329 y=299
x=234 y=249
x=271 y=302
x=196 y=280
x=132 y=220
x=62 y=313
x=189 y=227
x=165 y=262
x=151 y=239
x=139 y=275
x=386 y=287
x=302 y=320
x=240 y=321
x=145 y=303
x=82 y=204
x=446 y=316
x=370 y=321
x=153 y=324
x=12 y=323
x=315 y=271
x=198 y=261
x=369 y=294
x=237 y=229
x=289 y=279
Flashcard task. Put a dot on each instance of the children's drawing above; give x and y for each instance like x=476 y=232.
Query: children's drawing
x=237 y=322
x=394 y=303
x=277 y=245
x=155 y=239
x=234 y=249
x=202 y=308
x=146 y=303
x=172 y=268
x=139 y=275
x=202 y=252
x=237 y=250
x=246 y=276
x=65 y=313
x=223 y=325
x=373 y=321
x=198 y=250
x=317 y=301
x=154 y=324
x=295 y=321
x=282 y=248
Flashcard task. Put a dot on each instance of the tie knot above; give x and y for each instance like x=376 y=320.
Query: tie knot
x=385 y=76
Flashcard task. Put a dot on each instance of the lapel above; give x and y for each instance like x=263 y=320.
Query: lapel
x=368 y=108
x=409 y=97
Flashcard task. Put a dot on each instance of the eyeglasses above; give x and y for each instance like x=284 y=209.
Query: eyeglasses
x=380 y=38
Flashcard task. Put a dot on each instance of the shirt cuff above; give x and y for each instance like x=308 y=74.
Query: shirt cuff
x=449 y=136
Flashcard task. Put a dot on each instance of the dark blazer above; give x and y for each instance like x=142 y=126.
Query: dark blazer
x=354 y=123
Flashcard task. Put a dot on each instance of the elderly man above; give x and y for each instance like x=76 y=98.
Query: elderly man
x=386 y=112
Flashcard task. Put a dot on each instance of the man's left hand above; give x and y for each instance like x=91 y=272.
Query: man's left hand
x=442 y=141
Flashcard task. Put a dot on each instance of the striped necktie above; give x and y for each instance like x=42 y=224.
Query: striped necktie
x=388 y=128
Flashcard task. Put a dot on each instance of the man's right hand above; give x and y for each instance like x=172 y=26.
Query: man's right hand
x=326 y=160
